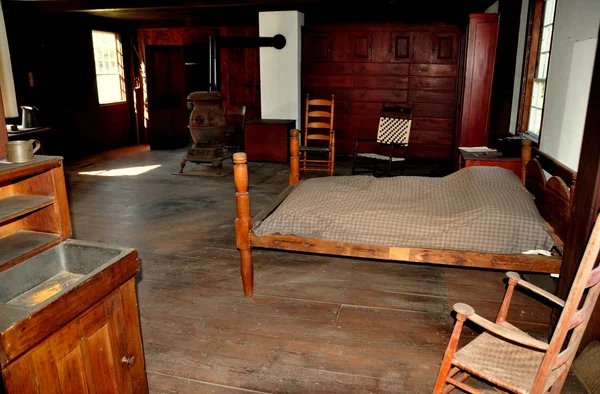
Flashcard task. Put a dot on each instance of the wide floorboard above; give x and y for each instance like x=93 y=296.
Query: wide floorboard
x=316 y=324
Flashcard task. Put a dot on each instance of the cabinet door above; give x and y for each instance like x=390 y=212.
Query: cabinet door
x=381 y=46
x=402 y=45
x=360 y=46
x=317 y=46
x=89 y=355
x=422 y=48
x=445 y=48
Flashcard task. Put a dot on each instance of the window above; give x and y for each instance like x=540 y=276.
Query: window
x=537 y=67
x=110 y=74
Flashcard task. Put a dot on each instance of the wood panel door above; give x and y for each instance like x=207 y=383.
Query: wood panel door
x=381 y=46
x=167 y=110
x=360 y=46
x=482 y=35
x=89 y=355
x=317 y=46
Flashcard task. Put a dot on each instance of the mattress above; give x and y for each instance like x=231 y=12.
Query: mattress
x=481 y=209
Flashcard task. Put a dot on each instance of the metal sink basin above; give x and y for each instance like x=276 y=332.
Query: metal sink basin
x=46 y=276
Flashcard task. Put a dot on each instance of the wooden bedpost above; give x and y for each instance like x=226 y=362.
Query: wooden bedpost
x=525 y=157
x=294 y=158
x=243 y=221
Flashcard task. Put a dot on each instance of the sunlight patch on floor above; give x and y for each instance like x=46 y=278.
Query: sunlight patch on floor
x=129 y=171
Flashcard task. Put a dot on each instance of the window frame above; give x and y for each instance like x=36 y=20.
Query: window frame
x=536 y=11
x=120 y=65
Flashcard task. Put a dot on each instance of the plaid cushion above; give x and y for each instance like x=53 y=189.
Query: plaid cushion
x=483 y=209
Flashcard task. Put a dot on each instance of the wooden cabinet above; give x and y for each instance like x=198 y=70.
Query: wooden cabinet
x=491 y=159
x=395 y=63
x=98 y=352
x=34 y=211
x=69 y=318
x=268 y=139
x=481 y=40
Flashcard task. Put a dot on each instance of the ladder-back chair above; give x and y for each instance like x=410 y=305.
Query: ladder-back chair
x=509 y=358
x=235 y=117
x=318 y=126
x=392 y=136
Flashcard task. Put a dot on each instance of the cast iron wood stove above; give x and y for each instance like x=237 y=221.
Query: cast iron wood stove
x=207 y=128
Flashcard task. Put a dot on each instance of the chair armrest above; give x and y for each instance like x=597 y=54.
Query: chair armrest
x=523 y=283
x=515 y=336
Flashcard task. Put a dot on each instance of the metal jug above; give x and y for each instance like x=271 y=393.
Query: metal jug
x=28 y=119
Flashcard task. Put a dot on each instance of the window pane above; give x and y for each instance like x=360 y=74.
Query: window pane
x=546 y=37
x=549 y=12
x=109 y=67
x=542 y=70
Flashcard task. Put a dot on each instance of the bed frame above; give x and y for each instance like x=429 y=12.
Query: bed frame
x=553 y=198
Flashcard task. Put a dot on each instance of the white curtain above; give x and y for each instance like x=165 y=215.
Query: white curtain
x=7 y=83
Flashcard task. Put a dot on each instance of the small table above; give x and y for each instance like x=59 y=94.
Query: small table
x=491 y=158
x=268 y=139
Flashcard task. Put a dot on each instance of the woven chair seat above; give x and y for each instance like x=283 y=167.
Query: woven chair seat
x=506 y=364
x=377 y=156
x=315 y=149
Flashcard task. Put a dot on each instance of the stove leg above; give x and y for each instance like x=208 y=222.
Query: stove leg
x=183 y=161
x=218 y=165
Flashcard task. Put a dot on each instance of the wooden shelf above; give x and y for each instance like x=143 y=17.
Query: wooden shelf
x=23 y=244
x=18 y=205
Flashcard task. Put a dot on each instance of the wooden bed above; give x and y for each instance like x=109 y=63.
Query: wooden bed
x=553 y=199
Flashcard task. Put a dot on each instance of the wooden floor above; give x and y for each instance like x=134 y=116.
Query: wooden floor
x=316 y=324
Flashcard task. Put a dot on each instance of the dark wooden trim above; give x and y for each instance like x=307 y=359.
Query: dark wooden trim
x=586 y=204
x=508 y=262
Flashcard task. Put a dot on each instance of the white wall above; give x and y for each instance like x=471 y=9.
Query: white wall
x=569 y=78
x=280 y=68
x=493 y=9
x=514 y=112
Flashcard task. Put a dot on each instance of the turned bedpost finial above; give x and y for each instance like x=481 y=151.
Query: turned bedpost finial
x=525 y=157
x=294 y=157
x=240 y=172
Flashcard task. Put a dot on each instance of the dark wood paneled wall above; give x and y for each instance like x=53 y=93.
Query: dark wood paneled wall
x=239 y=67
x=58 y=51
x=365 y=65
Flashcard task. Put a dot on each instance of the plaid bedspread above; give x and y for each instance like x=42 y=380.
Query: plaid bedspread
x=483 y=209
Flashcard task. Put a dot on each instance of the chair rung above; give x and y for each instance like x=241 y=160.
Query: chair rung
x=463 y=386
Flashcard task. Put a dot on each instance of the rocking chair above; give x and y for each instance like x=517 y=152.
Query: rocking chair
x=510 y=359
